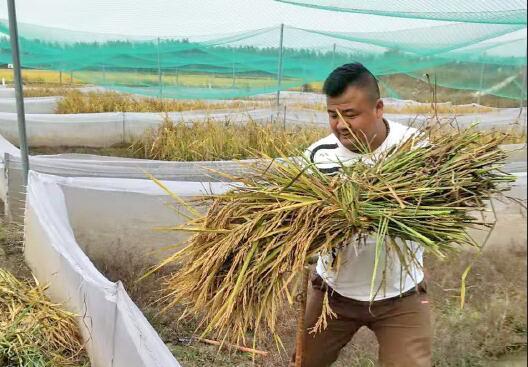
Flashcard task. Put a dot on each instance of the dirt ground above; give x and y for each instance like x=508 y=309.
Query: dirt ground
x=491 y=328
x=11 y=249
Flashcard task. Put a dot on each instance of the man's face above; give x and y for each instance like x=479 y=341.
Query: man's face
x=361 y=116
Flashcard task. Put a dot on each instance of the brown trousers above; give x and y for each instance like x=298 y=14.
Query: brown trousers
x=402 y=326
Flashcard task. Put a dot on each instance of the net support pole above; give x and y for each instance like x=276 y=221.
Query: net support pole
x=233 y=82
x=333 y=55
x=481 y=82
x=19 y=93
x=523 y=90
x=159 y=70
x=279 y=70
x=523 y=97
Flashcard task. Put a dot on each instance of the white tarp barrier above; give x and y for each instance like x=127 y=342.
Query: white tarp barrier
x=94 y=166
x=116 y=332
x=114 y=219
x=90 y=129
x=5 y=148
x=7 y=92
x=31 y=104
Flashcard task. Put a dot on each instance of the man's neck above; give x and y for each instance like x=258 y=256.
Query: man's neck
x=383 y=133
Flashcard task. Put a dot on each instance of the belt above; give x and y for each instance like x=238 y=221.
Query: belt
x=318 y=282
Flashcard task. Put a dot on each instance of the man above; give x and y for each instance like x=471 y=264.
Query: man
x=399 y=313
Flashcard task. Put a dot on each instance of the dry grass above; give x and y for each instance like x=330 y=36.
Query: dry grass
x=46 y=91
x=75 y=101
x=117 y=150
x=33 y=331
x=491 y=325
x=40 y=77
x=427 y=109
x=211 y=141
x=493 y=322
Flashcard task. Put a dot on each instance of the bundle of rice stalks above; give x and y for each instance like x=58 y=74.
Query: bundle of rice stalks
x=33 y=331
x=240 y=266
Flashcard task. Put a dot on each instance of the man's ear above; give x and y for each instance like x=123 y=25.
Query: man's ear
x=379 y=108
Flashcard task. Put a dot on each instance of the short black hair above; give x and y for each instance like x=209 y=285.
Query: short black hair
x=355 y=74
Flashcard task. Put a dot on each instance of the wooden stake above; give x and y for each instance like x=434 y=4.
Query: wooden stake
x=301 y=309
x=238 y=347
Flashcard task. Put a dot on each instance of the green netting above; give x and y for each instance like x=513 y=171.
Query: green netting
x=477 y=11
x=247 y=63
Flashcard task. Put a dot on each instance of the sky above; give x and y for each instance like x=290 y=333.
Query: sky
x=192 y=17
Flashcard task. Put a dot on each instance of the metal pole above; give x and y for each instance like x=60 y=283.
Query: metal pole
x=60 y=77
x=481 y=80
x=523 y=91
x=279 y=71
x=233 y=83
x=333 y=55
x=19 y=93
x=159 y=70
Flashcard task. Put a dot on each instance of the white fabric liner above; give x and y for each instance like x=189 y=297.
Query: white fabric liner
x=108 y=128
x=31 y=104
x=116 y=332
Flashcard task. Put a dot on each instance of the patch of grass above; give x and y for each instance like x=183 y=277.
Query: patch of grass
x=46 y=91
x=33 y=332
x=41 y=77
x=442 y=108
x=117 y=150
x=75 y=101
x=493 y=322
x=211 y=141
